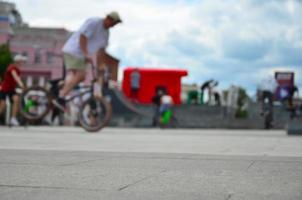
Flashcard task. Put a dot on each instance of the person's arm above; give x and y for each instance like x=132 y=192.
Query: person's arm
x=84 y=48
x=172 y=102
x=17 y=79
x=101 y=57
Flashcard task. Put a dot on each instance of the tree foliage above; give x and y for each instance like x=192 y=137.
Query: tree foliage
x=5 y=59
x=243 y=99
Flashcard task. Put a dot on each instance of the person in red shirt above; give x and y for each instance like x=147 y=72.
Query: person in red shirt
x=8 y=86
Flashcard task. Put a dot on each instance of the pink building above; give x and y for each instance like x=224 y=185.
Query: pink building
x=3 y=38
x=42 y=46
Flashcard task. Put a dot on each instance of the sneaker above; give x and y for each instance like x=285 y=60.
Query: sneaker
x=14 y=122
x=59 y=103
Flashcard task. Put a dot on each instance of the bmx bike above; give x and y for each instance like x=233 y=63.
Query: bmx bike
x=94 y=112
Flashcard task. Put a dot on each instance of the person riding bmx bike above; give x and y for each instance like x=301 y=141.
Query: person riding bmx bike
x=90 y=40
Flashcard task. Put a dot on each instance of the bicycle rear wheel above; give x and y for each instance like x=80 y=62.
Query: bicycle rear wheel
x=35 y=103
x=94 y=114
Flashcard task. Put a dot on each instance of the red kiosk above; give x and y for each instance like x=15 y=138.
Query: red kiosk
x=152 y=79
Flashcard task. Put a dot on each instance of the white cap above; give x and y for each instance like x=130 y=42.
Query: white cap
x=20 y=58
x=115 y=16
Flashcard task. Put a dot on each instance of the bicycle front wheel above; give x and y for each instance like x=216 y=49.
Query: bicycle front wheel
x=35 y=103
x=94 y=114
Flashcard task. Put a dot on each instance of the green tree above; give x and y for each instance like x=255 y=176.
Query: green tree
x=243 y=98
x=5 y=59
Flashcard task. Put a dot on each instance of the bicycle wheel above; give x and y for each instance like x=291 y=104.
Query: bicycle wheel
x=94 y=114
x=35 y=103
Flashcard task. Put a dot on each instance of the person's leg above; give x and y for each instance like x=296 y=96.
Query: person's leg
x=73 y=78
x=2 y=106
x=2 y=102
x=15 y=107
x=100 y=80
x=155 y=116
x=210 y=96
x=136 y=94
x=76 y=68
x=14 y=99
x=271 y=102
x=290 y=103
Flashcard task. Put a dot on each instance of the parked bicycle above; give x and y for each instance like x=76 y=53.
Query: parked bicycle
x=94 y=112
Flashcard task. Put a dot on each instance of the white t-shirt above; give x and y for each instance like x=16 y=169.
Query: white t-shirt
x=97 y=38
x=166 y=99
x=268 y=84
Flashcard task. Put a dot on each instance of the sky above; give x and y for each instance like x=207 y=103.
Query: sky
x=236 y=42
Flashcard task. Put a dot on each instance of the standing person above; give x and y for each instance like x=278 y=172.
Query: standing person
x=156 y=100
x=217 y=98
x=90 y=40
x=166 y=103
x=290 y=99
x=211 y=90
x=135 y=83
x=203 y=87
x=266 y=90
x=291 y=107
x=214 y=93
x=8 y=86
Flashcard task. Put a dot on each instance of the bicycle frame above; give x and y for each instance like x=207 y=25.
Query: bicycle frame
x=88 y=89
x=55 y=88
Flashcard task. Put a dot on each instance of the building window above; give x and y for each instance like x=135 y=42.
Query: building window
x=24 y=53
x=37 y=57
x=36 y=81
x=14 y=54
x=49 y=58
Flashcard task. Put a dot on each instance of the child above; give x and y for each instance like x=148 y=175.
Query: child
x=166 y=103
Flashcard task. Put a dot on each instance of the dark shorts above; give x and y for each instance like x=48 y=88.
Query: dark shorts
x=9 y=94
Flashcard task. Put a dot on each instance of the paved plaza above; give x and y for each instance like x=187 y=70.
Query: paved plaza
x=121 y=163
